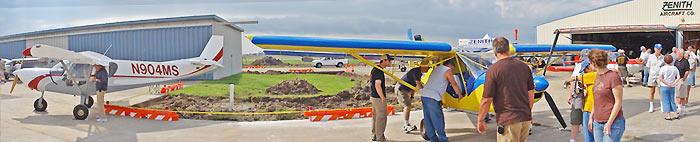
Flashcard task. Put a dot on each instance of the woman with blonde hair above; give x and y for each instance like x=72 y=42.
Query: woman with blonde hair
x=607 y=122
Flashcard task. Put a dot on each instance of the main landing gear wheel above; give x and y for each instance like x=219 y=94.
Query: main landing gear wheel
x=89 y=102
x=422 y=130
x=80 y=112
x=40 y=105
x=319 y=65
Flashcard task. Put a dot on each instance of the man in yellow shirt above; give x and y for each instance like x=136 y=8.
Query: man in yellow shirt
x=587 y=78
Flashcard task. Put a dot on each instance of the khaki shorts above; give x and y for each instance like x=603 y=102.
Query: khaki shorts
x=681 y=89
x=622 y=71
x=403 y=96
x=653 y=82
x=516 y=132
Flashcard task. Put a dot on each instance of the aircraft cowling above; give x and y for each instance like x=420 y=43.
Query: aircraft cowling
x=33 y=77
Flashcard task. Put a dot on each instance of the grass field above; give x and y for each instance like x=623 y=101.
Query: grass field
x=247 y=85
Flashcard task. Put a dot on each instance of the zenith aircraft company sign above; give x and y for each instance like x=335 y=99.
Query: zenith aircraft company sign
x=677 y=8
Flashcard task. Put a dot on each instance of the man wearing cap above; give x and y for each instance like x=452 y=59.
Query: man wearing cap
x=586 y=77
x=654 y=63
x=405 y=94
x=378 y=98
x=622 y=60
x=431 y=97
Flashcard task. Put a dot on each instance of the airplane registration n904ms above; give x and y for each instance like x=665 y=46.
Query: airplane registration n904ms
x=72 y=75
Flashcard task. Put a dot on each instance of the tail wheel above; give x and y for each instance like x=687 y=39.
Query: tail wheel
x=80 y=112
x=319 y=65
x=89 y=102
x=339 y=65
x=423 y=133
x=40 y=105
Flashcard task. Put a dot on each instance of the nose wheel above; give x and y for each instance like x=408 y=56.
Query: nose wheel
x=80 y=112
x=40 y=105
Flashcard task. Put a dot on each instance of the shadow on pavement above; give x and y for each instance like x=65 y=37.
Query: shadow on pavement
x=118 y=128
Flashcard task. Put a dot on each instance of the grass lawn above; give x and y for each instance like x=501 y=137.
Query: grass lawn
x=247 y=85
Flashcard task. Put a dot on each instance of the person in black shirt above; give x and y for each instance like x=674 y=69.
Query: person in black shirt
x=405 y=94
x=681 y=87
x=101 y=80
x=622 y=60
x=378 y=98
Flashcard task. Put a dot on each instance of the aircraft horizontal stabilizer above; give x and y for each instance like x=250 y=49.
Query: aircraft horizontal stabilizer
x=206 y=62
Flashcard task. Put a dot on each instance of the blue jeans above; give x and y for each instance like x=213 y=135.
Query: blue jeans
x=691 y=78
x=667 y=99
x=616 y=130
x=434 y=119
x=588 y=135
x=646 y=75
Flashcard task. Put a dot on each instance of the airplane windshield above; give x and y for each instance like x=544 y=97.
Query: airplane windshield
x=477 y=61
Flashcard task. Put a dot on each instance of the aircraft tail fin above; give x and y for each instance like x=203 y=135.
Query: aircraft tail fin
x=214 y=50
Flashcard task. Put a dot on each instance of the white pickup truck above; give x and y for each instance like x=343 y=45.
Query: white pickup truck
x=329 y=61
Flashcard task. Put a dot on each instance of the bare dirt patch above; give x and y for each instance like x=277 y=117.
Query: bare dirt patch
x=355 y=97
x=268 y=61
x=297 y=86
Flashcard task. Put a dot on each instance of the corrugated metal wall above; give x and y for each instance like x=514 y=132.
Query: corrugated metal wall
x=162 y=44
x=12 y=49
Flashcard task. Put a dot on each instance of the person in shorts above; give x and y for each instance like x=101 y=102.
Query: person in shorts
x=405 y=94
x=585 y=78
x=622 y=60
x=654 y=62
x=681 y=87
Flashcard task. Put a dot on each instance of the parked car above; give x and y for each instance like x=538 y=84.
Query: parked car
x=329 y=61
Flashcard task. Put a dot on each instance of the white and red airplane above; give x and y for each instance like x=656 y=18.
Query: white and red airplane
x=72 y=74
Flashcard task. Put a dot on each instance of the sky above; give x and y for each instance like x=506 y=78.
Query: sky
x=436 y=20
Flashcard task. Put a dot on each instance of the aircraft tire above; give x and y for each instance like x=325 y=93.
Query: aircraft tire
x=80 y=112
x=340 y=65
x=403 y=69
x=40 y=105
x=89 y=102
x=422 y=130
x=319 y=65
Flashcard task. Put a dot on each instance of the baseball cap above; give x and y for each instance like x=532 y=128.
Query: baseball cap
x=424 y=63
x=658 y=46
x=584 y=64
x=642 y=48
x=386 y=56
x=620 y=51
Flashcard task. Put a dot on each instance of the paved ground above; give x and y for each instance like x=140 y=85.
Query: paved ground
x=18 y=122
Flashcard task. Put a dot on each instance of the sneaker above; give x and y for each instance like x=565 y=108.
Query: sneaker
x=409 y=128
x=651 y=109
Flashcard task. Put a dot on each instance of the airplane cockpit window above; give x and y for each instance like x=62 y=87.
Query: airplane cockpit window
x=80 y=71
x=477 y=61
x=112 y=68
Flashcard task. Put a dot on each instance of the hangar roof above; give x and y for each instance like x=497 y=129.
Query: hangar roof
x=171 y=19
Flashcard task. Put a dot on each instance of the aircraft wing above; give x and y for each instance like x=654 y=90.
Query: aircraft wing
x=47 y=51
x=392 y=47
x=560 y=49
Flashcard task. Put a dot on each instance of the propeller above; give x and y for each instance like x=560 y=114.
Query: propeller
x=13 y=84
x=550 y=101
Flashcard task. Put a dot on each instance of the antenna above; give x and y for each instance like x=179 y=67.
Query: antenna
x=110 y=47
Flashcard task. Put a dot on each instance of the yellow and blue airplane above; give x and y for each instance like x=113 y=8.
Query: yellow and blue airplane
x=471 y=67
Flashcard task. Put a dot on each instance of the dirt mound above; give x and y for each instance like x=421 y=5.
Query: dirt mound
x=268 y=61
x=296 y=86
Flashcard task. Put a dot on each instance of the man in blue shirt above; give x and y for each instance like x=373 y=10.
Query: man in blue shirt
x=101 y=80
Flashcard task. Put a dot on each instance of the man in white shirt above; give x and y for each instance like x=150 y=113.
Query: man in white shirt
x=645 y=72
x=654 y=63
x=693 y=60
